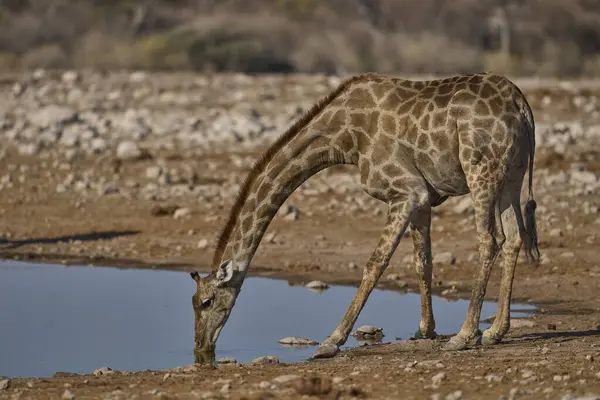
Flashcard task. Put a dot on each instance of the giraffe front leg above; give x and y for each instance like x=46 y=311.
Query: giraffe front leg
x=397 y=222
x=420 y=230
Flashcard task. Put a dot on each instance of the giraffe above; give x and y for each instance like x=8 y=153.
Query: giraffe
x=415 y=143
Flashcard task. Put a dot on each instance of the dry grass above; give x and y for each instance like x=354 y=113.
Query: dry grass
x=545 y=37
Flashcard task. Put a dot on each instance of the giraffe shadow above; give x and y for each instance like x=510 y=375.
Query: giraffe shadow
x=85 y=237
x=565 y=335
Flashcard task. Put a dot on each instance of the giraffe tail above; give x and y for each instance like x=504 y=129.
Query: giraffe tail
x=532 y=250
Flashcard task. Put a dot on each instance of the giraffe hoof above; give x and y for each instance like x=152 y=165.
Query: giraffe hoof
x=489 y=339
x=420 y=335
x=456 y=343
x=326 y=351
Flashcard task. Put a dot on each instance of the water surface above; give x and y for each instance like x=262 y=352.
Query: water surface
x=77 y=319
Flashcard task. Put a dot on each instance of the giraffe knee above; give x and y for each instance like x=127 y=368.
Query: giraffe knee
x=488 y=246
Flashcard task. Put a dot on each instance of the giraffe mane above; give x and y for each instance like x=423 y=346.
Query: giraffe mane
x=266 y=157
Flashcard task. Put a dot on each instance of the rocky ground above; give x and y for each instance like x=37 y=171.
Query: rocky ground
x=140 y=169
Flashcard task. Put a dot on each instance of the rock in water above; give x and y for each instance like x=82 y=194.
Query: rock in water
x=317 y=285
x=297 y=341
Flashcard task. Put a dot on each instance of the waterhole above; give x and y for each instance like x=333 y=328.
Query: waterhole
x=77 y=319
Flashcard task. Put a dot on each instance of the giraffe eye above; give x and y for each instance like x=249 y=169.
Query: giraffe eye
x=205 y=303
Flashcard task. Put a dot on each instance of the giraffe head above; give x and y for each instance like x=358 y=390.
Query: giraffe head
x=214 y=298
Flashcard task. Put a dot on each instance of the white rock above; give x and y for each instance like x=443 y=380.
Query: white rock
x=52 y=115
x=317 y=285
x=265 y=360
x=28 y=149
x=285 y=378
x=70 y=77
x=521 y=323
x=103 y=371
x=182 y=213
x=68 y=395
x=128 y=150
x=98 y=145
x=203 y=243
x=583 y=177
x=456 y=395
x=556 y=232
x=291 y=213
x=438 y=378
x=137 y=76
x=4 y=384
x=299 y=341
x=154 y=172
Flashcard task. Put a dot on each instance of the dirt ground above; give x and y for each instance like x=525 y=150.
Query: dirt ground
x=556 y=356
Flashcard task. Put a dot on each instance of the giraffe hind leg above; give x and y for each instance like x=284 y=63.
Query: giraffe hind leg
x=486 y=193
x=514 y=228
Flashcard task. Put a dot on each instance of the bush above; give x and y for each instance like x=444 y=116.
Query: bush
x=221 y=50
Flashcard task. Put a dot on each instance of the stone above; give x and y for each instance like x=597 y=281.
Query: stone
x=285 y=378
x=445 y=257
x=494 y=378
x=68 y=395
x=456 y=395
x=182 y=213
x=128 y=150
x=98 y=145
x=4 y=384
x=292 y=213
x=584 y=177
x=154 y=172
x=202 y=244
x=521 y=323
x=103 y=371
x=556 y=232
x=109 y=188
x=51 y=115
x=28 y=149
x=437 y=379
x=368 y=332
x=317 y=285
x=265 y=360
x=227 y=360
x=297 y=341
x=70 y=77
x=158 y=210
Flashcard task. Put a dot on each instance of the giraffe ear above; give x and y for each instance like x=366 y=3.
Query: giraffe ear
x=224 y=273
x=195 y=276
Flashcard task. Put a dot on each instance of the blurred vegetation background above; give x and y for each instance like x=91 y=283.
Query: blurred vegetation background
x=556 y=38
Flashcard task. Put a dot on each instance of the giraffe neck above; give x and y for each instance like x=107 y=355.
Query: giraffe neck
x=303 y=150
x=288 y=169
